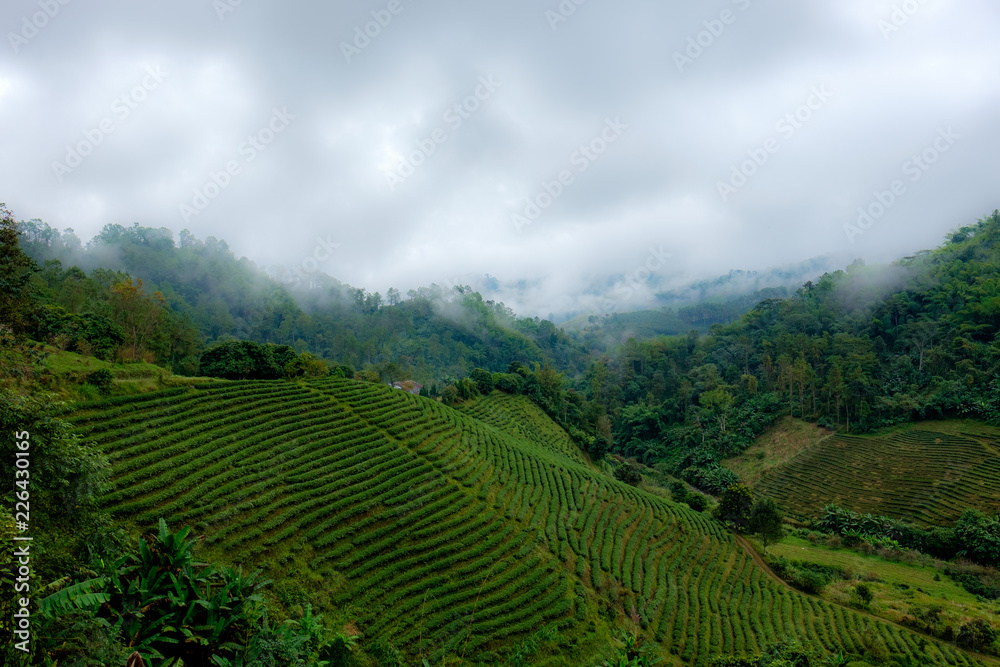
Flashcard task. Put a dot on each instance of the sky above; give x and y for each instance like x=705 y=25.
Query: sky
x=560 y=156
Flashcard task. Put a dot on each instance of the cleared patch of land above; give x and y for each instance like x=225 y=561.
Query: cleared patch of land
x=779 y=444
x=66 y=372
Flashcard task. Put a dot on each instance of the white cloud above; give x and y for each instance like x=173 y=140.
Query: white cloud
x=325 y=176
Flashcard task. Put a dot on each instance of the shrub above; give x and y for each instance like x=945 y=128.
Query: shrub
x=697 y=502
x=810 y=582
x=102 y=379
x=628 y=473
x=508 y=383
x=864 y=594
x=977 y=635
x=483 y=379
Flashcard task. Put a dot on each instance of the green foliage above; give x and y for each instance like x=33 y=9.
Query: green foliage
x=979 y=536
x=211 y=296
x=244 y=359
x=854 y=350
x=628 y=473
x=523 y=652
x=16 y=268
x=786 y=653
x=305 y=365
x=695 y=501
x=483 y=379
x=448 y=527
x=975 y=536
x=86 y=333
x=808 y=577
x=735 y=507
x=632 y=652
x=766 y=521
x=466 y=389
x=65 y=474
x=509 y=383
x=102 y=379
x=77 y=597
x=977 y=634
x=167 y=606
x=864 y=593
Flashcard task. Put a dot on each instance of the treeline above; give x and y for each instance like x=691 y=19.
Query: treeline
x=195 y=294
x=975 y=535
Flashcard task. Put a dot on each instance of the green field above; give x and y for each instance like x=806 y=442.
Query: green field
x=898 y=587
x=447 y=532
x=925 y=474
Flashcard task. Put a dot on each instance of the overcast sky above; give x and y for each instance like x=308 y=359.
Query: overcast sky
x=730 y=134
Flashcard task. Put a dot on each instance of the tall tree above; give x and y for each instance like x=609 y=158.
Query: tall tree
x=137 y=314
x=735 y=506
x=766 y=522
x=15 y=274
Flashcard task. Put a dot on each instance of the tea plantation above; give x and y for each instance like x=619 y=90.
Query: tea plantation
x=457 y=532
x=922 y=475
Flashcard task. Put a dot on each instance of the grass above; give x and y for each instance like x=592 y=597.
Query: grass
x=68 y=371
x=899 y=588
x=779 y=444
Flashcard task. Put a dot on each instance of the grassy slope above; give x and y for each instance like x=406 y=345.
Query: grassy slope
x=775 y=447
x=65 y=373
x=440 y=532
x=899 y=587
x=926 y=473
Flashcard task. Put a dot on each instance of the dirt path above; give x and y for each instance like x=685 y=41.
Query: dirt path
x=742 y=541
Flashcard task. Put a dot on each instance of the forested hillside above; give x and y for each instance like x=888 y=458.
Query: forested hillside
x=206 y=295
x=856 y=350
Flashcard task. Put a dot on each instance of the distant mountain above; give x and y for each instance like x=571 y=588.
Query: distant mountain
x=744 y=282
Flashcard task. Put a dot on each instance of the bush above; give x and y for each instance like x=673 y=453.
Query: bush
x=483 y=379
x=977 y=635
x=807 y=577
x=810 y=582
x=864 y=594
x=466 y=389
x=628 y=473
x=102 y=379
x=509 y=383
x=245 y=359
x=697 y=502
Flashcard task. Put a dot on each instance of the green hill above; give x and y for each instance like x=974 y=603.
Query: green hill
x=448 y=532
x=926 y=474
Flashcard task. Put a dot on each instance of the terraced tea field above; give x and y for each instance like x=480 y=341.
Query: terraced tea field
x=519 y=417
x=447 y=534
x=923 y=475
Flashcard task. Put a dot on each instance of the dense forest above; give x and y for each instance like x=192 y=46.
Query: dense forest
x=202 y=295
